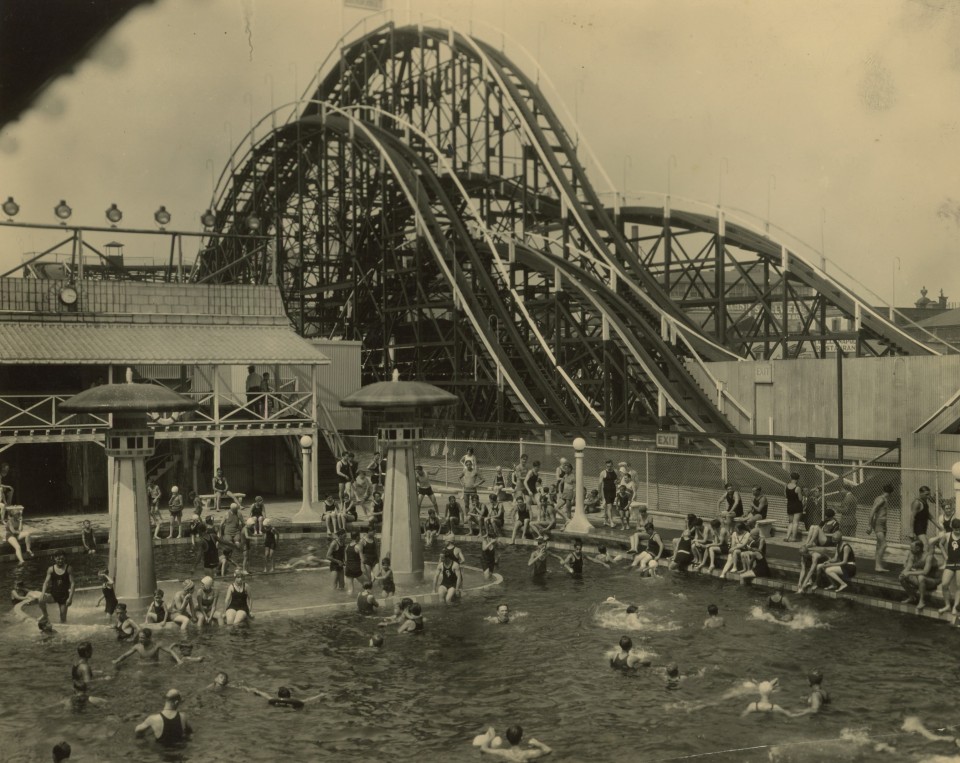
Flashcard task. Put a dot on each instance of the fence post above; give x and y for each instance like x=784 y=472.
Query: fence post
x=823 y=490
x=723 y=465
x=521 y=450
x=646 y=476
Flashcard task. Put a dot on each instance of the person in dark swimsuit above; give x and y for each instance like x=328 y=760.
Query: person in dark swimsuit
x=169 y=726
x=731 y=501
x=794 y=495
x=608 y=489
x=452 y=513
x=488 y=554
x=353 y=561
x=431 y=528
x=448 y=579
x=842 y=568
x=239 y=602
x=157 y=611
x=920 y=511
x=336 y=555
x=107 y=594
x=951 y=570
x=384 y=575
x=921 y=573
x=538 y=560
x=270 y=539
x=522 y=521
x=206 y=602
x=412 y=620
x=624 y=659
x=573 y=562
x=367 y=603
x=58 y=587
x=683 y=551
x=284 y=698
x=125 y=627
x=209 y=553
x=369 y=553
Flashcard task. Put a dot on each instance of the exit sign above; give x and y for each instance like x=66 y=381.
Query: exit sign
x=668 y=440
x=763 y=373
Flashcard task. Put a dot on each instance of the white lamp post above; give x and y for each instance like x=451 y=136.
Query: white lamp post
x=579 y=524
x=307 y=513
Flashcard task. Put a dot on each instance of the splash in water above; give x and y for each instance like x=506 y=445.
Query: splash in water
x=796 y=621
x=513 y=616
x=613 y=615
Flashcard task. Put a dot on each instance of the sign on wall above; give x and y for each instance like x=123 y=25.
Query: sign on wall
x=668 y=440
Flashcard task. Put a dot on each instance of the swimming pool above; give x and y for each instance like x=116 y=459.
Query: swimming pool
x=424 y=698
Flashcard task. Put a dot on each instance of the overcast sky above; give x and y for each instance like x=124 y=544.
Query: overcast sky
x=842 y=115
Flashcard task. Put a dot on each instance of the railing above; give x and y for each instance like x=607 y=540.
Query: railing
x=676 y=483
x=43 y=412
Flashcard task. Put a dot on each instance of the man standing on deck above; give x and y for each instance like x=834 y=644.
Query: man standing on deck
x=920 y=516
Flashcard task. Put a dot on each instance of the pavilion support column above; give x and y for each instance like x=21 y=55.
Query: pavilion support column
x=401 y=517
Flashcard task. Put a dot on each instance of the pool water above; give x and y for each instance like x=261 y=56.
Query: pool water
x=424 y=698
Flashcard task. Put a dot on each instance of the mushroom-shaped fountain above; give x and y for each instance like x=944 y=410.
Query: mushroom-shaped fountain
x=399 y=400
x=128 y=442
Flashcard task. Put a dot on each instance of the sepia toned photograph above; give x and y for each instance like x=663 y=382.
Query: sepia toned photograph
x=450 y=380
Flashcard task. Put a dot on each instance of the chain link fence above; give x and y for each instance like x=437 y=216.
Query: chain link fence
x=681 y=483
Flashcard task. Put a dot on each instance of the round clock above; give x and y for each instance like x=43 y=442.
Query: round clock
x=68 y=295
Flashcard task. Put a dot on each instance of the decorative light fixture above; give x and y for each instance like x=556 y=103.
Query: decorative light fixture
x=253 y=223
x=63 y=211
x=10 y=208
x=208 y=219
x=114 y=215
x=161 y=216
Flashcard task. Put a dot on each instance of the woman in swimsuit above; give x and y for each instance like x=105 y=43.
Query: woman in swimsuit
x=794 y=495
x=449 y=578
x=58 y=587
x=488 y=554
x=842 y=568
x=431 y=528
x=353 y=561
x=181 y=612
x=522 y=521
x=270 y=538
x=764 y=704
x=236 y=609
x=206 y=602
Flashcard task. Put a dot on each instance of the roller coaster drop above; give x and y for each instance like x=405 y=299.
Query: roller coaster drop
x=428 y=201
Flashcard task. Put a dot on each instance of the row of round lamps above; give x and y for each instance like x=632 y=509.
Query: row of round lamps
x=114 y=215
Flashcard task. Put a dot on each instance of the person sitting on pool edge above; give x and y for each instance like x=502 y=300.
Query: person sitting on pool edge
x=624 y=659
x=491 y=744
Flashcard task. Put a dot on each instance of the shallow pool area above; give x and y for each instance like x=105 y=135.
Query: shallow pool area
x=425 y=697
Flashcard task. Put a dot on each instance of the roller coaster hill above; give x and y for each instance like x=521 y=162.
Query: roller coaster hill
x=426 y=198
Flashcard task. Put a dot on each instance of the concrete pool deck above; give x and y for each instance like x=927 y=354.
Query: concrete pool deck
x=881 y=591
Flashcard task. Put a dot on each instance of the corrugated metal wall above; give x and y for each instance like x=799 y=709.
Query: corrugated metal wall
x=339 y=379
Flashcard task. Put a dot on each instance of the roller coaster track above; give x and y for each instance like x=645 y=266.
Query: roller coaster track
x=428 y=200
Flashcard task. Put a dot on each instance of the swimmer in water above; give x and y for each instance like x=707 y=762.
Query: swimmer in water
x=47 y=631
x=81 y=699
x=603 y=557
x=367 y=603
x=764 y=704
x=125 y=627
x=624 y=659
x=538 y=559
x=412 y=620
x=817 y=698
x=448 y=580
x=169 y=726
x=491 y=744
x=573 y=562
x=81 y=670
x=383 y=575
x=284 y=698
x=376 y=641
x=673 y=677
x=61 y=752
x=147 y=649
x=503 y=614
x=221 y=681
x=713 y=618
x=398 y=609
